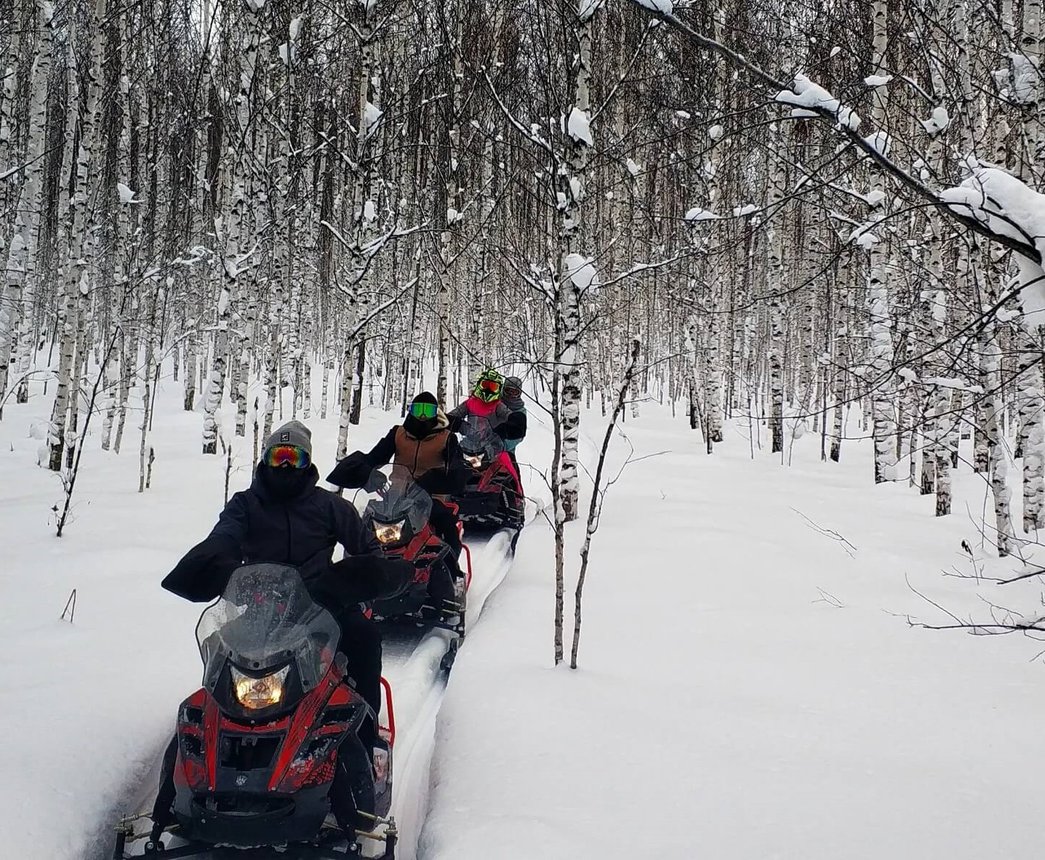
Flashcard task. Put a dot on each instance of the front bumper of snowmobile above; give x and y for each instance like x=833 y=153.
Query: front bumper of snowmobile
x=329 y=845
x=253 y=819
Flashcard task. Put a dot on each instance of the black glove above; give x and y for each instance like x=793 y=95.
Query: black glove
x=361 y=578
x=376 y=482
x=204 y=571
x=352 y=472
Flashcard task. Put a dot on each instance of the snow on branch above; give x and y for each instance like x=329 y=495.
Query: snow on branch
x=812 y=100
x=1007 y=207
x=816 y=102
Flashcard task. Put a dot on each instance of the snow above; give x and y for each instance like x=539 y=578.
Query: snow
x=748 y=682
x=577 y=126
x=633 y=168
x=1010 y=208
x=698 y=214
x=806 y=95
x=937 y=121
x=874 y=197
x=371 y=117
x=581 y=270
x=877 y=80
x=716 y=131
x=682 y=114
x=835 y=51
x=880 y=142
x=126 y=193
x=588 y=8
x=369 y=210
x=864 y=234
x=662 y=6
x=1026 y=79
x=748 y=685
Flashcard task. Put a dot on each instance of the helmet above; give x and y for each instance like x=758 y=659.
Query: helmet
x=488 y=386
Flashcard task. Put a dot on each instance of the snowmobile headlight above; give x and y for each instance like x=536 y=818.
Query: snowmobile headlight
x=389 y=532
x=475 y=460
x=257 y=693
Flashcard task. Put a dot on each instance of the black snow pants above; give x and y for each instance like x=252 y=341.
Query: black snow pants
x=515 y=462
x=361 y=645
x=444 y=524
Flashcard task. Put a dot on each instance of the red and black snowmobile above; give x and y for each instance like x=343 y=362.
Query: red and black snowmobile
x=493 y=496
x=399 y=515
x=269 y=747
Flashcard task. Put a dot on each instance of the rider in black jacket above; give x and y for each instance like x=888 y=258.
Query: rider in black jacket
x=283 y=517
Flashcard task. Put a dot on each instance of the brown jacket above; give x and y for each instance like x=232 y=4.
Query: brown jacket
x=418 y=456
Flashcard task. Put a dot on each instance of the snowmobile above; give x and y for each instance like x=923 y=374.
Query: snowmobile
x=492 y=498
x=398 y=515
x=267 y=761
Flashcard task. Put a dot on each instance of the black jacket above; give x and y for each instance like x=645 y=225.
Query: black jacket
x=258 y=526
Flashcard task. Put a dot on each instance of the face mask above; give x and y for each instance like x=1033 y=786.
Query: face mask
x=284 y=482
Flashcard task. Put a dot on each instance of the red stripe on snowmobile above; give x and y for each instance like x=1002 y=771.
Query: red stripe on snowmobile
x=301 y=726
x=388 y=732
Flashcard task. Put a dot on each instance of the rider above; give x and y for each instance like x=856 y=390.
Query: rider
x=283 y=517
x=512 y=397
x=423 y=447
x=485 y=402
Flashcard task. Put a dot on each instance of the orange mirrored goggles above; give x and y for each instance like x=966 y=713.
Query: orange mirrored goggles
x=279 y=456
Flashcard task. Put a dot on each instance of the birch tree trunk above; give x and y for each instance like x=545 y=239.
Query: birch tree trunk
x=997 y=458
x=17 y=306
x=77 y=286
x=571 y=198
x=880 y=322
x=1032 y=432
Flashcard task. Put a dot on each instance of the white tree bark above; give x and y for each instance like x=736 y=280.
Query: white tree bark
x=880 y=323
x=77 y=284
x=997 y=458
x=1032 y=431
x=18 y=298
x=571 y=198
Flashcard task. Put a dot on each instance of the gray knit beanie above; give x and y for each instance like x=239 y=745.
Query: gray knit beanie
x=292 y=433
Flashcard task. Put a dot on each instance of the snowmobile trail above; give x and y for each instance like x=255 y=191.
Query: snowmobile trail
x=413 y=668
x=412 y=664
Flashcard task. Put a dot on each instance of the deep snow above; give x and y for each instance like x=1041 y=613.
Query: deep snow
x=749 y=686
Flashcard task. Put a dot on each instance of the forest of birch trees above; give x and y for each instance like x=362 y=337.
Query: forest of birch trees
x=326 y=198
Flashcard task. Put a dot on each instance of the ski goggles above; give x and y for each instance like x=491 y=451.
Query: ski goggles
x=488 y=386
x=287 y=455
x=424 y=410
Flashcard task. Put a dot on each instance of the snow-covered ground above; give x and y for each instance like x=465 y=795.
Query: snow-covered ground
x=749 y=685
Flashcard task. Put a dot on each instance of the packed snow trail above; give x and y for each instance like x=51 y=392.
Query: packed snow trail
x=411 y=663
x=412 y=667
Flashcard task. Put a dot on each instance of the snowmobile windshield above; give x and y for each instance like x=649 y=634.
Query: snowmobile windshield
x=264 y=620
x=479 y=439
x=395 y=498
